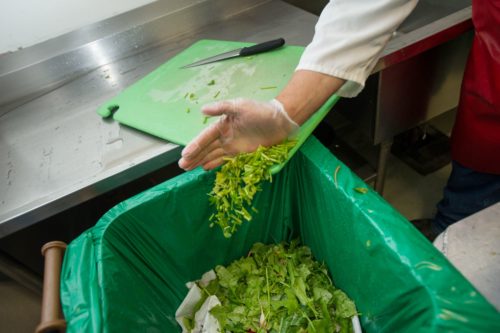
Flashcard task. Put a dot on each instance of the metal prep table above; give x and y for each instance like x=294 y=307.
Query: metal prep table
x=57 y=153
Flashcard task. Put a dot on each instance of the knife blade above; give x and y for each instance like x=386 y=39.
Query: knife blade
x=241 y=52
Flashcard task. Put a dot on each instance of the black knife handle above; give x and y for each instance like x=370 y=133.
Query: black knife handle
x=262 y=47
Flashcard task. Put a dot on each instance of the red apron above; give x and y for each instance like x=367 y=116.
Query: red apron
x=476 y=133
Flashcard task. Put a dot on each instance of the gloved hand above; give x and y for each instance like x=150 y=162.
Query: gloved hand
x=244 y=125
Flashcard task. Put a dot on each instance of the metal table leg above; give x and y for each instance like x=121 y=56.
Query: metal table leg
x=383 y=156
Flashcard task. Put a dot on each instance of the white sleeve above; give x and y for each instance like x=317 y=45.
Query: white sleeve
x=349 y=37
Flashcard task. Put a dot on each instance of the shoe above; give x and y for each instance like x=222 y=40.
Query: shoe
x=425 y=227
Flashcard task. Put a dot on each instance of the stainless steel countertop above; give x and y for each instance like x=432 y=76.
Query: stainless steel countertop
x=56 y=152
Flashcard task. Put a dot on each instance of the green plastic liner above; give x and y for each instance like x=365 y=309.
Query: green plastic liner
x=128 y=272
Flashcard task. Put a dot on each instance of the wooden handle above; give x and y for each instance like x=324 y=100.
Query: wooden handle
x=51 y=317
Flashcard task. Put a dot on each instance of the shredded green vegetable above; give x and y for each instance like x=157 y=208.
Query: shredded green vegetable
x=239 y=180
x=362 y=190
x=337 y=169
x=279 y=288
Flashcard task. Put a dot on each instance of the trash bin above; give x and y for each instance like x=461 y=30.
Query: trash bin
x=128 y=272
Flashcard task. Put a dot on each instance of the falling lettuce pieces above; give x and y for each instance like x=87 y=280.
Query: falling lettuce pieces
x=278 y=289
x=237 y=182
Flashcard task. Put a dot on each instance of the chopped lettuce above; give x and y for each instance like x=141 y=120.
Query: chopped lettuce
x=279 y=288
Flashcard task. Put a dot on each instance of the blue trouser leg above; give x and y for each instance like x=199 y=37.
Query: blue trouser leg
x=466 y=193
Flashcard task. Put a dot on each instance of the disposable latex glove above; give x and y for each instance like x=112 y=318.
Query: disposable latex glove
x=243 y=126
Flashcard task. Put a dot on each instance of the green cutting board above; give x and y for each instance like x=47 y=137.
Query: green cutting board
x=167 y=102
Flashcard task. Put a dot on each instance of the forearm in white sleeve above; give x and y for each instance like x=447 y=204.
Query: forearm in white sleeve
x=349 y=37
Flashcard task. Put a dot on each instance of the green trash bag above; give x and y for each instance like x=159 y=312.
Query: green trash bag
x=128 y=272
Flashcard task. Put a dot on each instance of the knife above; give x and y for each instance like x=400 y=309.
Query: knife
x=242 y=52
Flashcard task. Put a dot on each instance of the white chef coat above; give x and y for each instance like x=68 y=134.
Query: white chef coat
x=349 y=37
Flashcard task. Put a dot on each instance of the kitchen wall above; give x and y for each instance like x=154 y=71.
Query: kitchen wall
x=27 y=22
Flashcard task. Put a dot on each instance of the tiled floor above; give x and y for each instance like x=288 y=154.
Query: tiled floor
x=415 y=196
